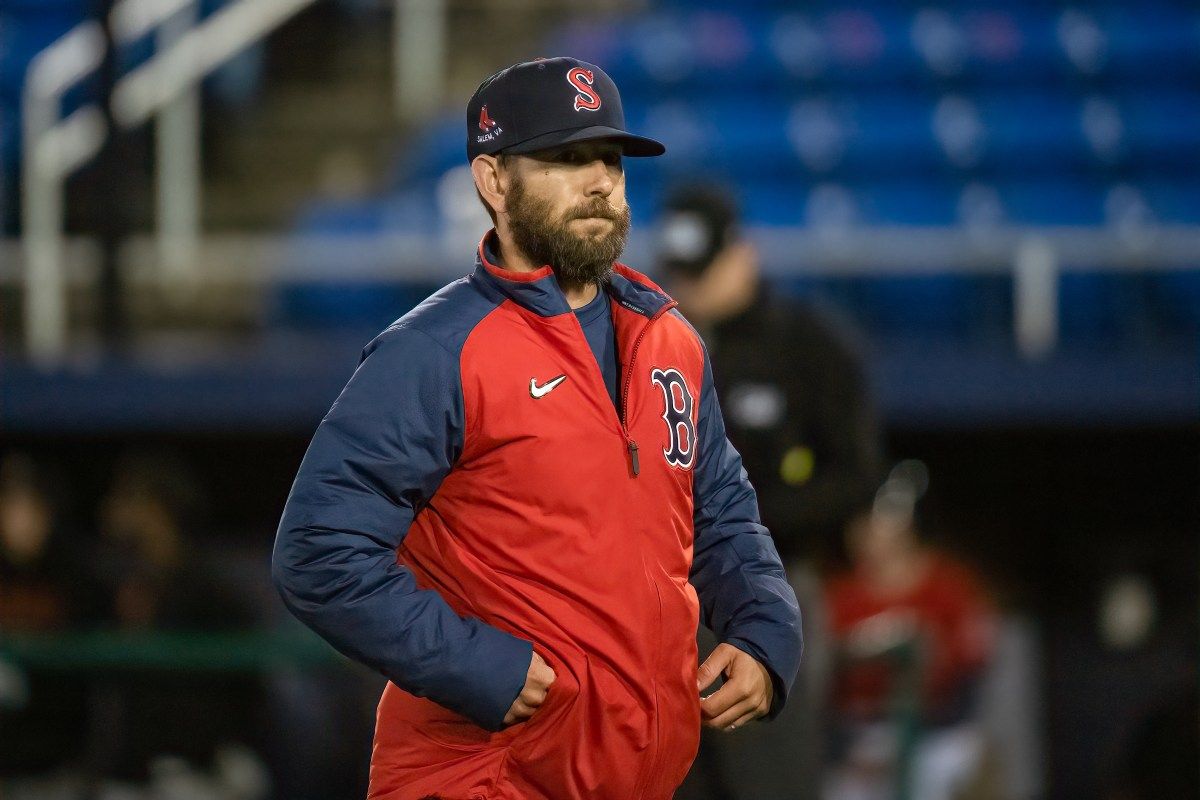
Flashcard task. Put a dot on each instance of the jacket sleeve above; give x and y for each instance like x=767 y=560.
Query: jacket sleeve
x=375 y=461
x=745 y=597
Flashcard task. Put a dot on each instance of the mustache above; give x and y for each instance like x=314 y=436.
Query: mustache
x=597 y=207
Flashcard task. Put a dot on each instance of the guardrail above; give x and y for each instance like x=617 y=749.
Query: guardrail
x=1035 y=258
x=54 y=148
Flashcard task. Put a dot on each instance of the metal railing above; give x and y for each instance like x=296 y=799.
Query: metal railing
x=165 y=87
x=1034 y=258
x=53 y=148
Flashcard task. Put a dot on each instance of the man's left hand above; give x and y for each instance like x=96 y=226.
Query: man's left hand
x=746 y=694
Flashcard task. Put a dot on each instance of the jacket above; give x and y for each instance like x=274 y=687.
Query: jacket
x=801 y=417
x=473 y=495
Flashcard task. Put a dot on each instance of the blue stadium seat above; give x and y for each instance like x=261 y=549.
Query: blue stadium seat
x=1175 y=300
x=1054 y=201
x=1175 y=202
x=364 y=303
x=1152 y=42
x=774 y=44
x=430 y=152
x=1099 y=309
x=369 y=306
x=1163 y=126
x=919 y=305
x=995 y=112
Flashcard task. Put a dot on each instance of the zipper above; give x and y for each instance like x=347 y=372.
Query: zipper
x=634 y=464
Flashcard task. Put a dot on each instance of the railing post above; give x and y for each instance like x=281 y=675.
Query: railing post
x=178 y=165
x=51 y=151
x=1035 y=297
x=419 y=57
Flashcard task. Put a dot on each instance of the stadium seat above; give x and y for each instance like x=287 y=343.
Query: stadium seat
x=1007 y=112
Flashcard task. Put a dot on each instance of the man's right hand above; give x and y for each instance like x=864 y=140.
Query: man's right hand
x=537 y=683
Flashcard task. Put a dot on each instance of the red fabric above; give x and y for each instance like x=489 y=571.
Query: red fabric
x=947 y=612
x=601 y=588
x=543 y=271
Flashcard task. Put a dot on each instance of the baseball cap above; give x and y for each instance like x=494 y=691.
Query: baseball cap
x=698 y=221
x=545 y=103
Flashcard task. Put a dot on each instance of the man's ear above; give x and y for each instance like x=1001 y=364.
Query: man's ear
x=490 y=181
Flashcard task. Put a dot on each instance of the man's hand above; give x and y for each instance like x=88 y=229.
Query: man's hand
x=537 y=683
x=746 y=694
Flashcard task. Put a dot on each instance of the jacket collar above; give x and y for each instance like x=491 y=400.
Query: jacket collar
x=539 y=291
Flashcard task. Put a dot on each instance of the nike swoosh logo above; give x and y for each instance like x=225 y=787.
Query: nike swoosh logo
x=538 y=392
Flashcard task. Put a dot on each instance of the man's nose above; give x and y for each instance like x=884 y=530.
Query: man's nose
x=600 y=178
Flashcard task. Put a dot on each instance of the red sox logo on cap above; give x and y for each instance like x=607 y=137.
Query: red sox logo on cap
x=582 y=79
x=491 y=129
x=486 y=123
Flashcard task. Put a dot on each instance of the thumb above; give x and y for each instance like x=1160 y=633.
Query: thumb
x=713 y=666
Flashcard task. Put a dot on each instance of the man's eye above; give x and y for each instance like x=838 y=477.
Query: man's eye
x=568 y=157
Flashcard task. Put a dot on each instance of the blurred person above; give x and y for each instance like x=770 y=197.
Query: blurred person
x=149 y=520
x=795 y=399
x=789 y=378
x=37 y=573
x=41 y=592
x=158 y=579
x=914 y=632
x=524 y=499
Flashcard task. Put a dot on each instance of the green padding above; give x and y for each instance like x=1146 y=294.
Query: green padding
x=220 y=652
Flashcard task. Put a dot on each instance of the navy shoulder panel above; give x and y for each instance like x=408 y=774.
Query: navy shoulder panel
x=675 y=312
x=448 y=315
x=634 y=295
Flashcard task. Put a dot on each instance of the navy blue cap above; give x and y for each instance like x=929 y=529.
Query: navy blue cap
x=548 y=102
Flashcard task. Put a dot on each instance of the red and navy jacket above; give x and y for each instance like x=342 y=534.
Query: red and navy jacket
x=474 y=495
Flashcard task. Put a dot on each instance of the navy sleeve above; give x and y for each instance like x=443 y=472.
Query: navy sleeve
x=375 y=461
x=745 y=597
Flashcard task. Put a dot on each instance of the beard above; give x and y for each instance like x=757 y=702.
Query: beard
x=577 y=259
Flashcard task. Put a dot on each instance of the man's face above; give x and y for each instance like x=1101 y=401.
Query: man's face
x=566 y=207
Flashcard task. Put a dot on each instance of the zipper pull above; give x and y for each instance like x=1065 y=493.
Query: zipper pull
x=633 y=456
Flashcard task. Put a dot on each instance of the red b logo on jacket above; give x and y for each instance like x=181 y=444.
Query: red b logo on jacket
x=582 y=79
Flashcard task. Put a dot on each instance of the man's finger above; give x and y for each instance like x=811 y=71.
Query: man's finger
x=745 y=719
x=514 y=715
x=541 y=673
x=731 y=715
x=714 y=665
x=738 y=687
x=532 y=696
x=723 y=699
x=756 y=704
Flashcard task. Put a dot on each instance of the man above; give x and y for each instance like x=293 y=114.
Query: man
x=792 y=387
x=524 y=498
x=914 y=629
x=795 y=401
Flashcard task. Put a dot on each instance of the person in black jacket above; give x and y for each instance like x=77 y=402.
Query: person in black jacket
x=791 y=385
x=797 y=407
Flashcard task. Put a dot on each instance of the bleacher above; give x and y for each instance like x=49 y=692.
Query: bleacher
x=976 y=121
x=838 y=116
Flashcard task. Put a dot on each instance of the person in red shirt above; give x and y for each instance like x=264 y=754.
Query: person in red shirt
x=913 y=631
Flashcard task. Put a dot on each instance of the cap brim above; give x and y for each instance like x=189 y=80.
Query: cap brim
x=631 y=145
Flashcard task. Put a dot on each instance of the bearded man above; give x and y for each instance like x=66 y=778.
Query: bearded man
x=524 y=499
